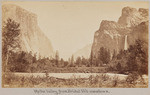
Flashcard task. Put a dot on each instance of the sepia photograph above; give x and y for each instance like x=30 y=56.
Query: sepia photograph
x=64 y=44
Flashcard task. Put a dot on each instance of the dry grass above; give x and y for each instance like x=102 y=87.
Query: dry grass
x=77 y=70
x=99 y=81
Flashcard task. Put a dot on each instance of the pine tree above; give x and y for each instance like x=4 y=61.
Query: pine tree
x=78 y=61
x=114 y=54
x=62 y=62
x=104 y=55
x=138 y=57
x=57 y=58
x=10 y=39
x=107 y=56
x=72 y=60
x=91 y=58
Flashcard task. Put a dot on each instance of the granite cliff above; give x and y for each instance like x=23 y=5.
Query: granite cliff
x=132 y=25
x=31 y=38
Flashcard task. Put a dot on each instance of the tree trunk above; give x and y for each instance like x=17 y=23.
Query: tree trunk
x=7 y=55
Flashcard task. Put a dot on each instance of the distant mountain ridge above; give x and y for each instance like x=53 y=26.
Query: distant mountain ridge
x=83 y=52
x=32 y=38
x=132 y=25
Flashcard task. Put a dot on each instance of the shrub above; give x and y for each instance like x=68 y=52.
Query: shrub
x=132 y=77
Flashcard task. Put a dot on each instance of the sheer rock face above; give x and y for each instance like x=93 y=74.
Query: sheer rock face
x=111 y=34
x=31 y=38
x=132 y=17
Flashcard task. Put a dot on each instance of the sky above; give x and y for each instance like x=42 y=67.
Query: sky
x=71 y=25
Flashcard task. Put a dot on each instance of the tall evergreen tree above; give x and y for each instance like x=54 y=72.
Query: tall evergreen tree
x=104 y=55
x=114 y=54
x=78 y=61
x=57 y=58
x=10 y=39
x=72 y=60
x=91 y=58
x=138 y=57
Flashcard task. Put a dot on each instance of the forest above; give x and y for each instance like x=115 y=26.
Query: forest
x=133 y=61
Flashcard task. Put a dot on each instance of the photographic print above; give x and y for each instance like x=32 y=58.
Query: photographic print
x=99 y=44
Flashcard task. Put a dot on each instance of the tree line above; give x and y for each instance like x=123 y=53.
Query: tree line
x=133 y=59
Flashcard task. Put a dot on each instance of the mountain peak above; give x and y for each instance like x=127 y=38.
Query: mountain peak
x=16 y=12
x=113 y=35
x=127 y=11
x=83 y=52
x=108 y=22
x=132 y=17
x=31 y=38
x=105 y=24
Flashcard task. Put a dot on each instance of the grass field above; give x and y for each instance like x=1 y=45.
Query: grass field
x=77 y=70
x=12 y=80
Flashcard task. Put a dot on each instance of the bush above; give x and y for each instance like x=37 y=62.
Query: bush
x=132 y=77
x=115 y=81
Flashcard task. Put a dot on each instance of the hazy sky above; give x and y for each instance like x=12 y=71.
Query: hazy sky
x=71 y=25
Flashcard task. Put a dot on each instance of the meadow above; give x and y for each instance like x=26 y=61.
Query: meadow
x=88 y=80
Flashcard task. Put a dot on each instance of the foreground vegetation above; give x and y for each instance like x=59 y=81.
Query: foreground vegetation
x=135 y=59
x=104 y=81
x=133 y=62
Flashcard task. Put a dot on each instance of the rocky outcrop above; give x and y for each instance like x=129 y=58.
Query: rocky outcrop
x=132 y=25
x=131 y=17
x=31 y=38
x=139 y=32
